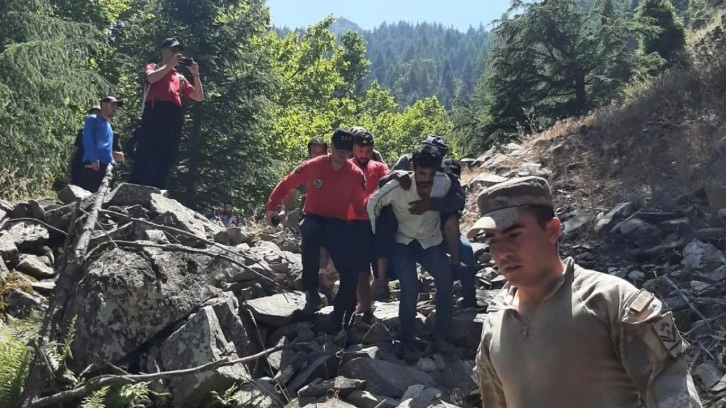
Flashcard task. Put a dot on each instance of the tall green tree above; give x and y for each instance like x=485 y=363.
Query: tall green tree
x=669 y=41
x=47 y=79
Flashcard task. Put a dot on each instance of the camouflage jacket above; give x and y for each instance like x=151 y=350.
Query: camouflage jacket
x=595 y=341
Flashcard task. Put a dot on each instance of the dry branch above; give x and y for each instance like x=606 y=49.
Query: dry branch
x=113 y=380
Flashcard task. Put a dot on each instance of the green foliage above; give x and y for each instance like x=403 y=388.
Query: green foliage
x=15 y=359
x=669 y=40
x=96 y=399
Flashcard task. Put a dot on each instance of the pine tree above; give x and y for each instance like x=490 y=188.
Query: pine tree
x=670 y=40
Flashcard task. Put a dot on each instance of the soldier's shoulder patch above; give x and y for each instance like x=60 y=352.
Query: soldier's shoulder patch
x=665 y=328
x=641 y=301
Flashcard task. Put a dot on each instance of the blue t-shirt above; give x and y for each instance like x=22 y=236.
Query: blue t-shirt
x=97 y=140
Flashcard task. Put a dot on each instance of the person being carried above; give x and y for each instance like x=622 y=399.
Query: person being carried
x=163 y=116
x=558 y=335
x=364 y=252
x=418 y=239
x=336 y=193
x=75 y=159
x=98 y=145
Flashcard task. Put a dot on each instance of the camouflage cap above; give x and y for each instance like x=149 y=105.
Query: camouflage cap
x=501 y=204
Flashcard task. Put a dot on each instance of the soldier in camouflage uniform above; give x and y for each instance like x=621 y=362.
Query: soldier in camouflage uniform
x=559 y=335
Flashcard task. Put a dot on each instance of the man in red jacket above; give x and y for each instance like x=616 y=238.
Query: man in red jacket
x=336 y=195
x=364 y=256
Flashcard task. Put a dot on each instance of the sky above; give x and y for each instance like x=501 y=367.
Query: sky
x=370 y=13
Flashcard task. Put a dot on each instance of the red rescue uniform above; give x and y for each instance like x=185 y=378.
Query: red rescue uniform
x=374 y=172
x=334 y=194
x=170 y=88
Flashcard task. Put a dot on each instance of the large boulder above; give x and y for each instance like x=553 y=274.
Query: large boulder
x=21 y=304
x=125 y=299
x=638 y=233
x=201 y=340
x=33 y=266
x=276 y=310
x=384 y=377
x=172 y=213
x=28 y=236
x=620 y=211
x=127 y=194
x=60 y=217
x=70 y=194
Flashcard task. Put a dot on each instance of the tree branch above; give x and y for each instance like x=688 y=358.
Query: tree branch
x=112 y=380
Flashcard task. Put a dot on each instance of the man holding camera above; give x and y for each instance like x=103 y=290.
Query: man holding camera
x=162 y=115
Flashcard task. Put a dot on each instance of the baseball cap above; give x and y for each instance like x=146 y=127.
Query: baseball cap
x=361 y=136
x=111 y=99
x=437 y=142
x=171 y=43
x=501 y=205
x=343 y=140
x=94 y=107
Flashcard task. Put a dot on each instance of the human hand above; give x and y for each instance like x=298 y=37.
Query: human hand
x=419 y=207
x=96 y=166
x=194 y=68
x=118 y=157
x=269 y=215
x=176 y=59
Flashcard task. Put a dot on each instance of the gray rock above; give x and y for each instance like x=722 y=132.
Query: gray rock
x=60 y=217
x=328 y=403
x=28 y=236
x=679 y=226
x=255 y=395
x=576 y=222
x=44 y=288
x=385 y=378
x=276 y=310
x=238 y=236
x=460 y=376
x=427 y=365
x=638 y=232
x=5 y=208
x=156 y=236
x=620 y=211
x=636 y=276
x=21 y=304
x=8 y=250
x=340 y=385
x=533 y=169
x=365 y=399
x=33 y=266
x=698 y=255
x=70 y=194
x=126 y=299
x=127 y=194
x=322 y=366
x=198 y=342
x=419 y=396
x=484 y=180
x=21 y=210
x=708 y=373
x=700 y=286
x=173 y=214
x=4 y=272
x=720 y=385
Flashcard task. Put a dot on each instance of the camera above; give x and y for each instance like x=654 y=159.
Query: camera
x=186 y=61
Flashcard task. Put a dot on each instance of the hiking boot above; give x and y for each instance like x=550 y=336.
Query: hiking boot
x=410 y=350
x=313 y=303
x=366 y=319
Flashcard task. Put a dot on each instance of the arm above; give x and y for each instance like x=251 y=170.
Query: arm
x=381 y=198
x=393 y=175
x=490 y=386
x=154 y=73
x=289 y=201
x=194 y=92
x=89 y=140
x=403 y=163
x=287 y=185
x=651 y=349
x=453 y=201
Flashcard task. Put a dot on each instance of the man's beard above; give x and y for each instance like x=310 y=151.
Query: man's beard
x=362 y=162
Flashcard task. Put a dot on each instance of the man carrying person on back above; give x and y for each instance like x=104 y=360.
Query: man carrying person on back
x=364 y=253
x=418 y=239
x=336 y=195
x=163 y=117
x=98 y=145
x=558 y=335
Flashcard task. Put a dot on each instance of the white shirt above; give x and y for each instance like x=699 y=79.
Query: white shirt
x=424 y=228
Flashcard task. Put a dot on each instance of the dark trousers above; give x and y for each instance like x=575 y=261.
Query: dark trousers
x=88 y=179
x=467 y=275
x=335 y=236
x=158 y=143
x=385 y=239
x=364 y=253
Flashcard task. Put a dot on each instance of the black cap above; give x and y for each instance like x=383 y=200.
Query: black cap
x=171 y=43
x=437 y=142
x=361 y=136
x=343 y=140
x=111 y=99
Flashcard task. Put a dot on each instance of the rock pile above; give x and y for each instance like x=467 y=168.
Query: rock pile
x=165 y=289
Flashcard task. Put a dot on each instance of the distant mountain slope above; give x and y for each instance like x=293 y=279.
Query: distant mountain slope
x=416 y=61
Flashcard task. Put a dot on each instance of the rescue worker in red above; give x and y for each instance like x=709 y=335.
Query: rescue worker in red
x=162 y=115
x=336 y=195
x=364 y=257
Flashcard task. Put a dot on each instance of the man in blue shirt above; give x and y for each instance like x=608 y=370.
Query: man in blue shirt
x=98 y=145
